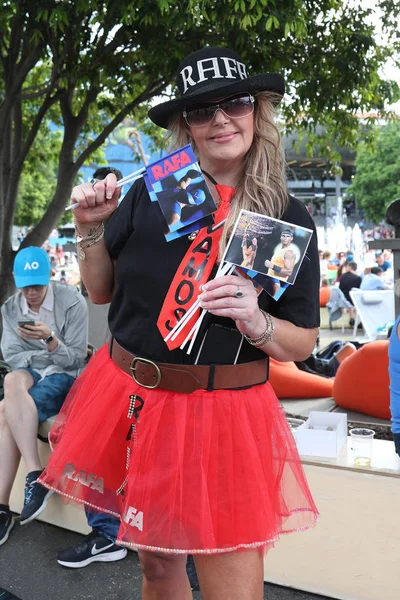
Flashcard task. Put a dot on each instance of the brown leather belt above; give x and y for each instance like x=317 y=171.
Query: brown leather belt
x=188 y=378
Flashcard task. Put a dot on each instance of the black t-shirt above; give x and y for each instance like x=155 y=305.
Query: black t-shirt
x=146 y=264
x=348 y=281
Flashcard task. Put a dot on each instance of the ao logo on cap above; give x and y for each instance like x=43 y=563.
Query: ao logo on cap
x=31 y=266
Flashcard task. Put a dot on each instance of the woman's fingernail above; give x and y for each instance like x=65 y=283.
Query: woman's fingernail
x=109 y=196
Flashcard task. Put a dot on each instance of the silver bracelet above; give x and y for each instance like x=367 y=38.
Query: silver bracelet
x=266 y=336
x=85 y=241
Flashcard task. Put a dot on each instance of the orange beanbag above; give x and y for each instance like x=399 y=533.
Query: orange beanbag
x=289 y=382
x=362 y=381
x=324 y=295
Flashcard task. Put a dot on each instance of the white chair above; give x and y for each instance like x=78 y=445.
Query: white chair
x=374 y=309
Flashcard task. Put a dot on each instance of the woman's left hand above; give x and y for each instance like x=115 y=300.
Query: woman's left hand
x=236 y=298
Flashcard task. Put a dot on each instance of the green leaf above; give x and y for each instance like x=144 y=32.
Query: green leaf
x=269 y=23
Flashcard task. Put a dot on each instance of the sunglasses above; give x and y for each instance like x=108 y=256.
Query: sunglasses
x=234 y=108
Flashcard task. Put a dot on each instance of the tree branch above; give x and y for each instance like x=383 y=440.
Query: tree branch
x=20 y=72
x=96 y=143
x=30 y=138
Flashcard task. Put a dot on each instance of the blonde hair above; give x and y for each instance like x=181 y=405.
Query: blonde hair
x=262 y=182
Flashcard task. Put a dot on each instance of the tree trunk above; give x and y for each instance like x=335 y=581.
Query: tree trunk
x=7 y=286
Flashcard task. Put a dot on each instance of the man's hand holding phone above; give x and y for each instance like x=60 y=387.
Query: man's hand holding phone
x=33 y=330
x=25 y=322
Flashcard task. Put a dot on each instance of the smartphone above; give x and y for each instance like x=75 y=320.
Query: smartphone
x=26 y=322
x=221 y=345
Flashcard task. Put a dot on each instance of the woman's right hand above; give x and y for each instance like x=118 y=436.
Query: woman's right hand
x=96 y=202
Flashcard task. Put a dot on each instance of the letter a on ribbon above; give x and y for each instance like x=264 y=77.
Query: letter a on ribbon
x=197 y=264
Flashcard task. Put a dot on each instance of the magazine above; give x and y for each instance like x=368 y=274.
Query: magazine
x=269 y=247
x=178 y=185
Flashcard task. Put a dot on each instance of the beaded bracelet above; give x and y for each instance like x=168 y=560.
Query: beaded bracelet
x=266 y=336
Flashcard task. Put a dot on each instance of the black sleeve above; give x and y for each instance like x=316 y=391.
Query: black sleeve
x=120 y=227
x=299 y=304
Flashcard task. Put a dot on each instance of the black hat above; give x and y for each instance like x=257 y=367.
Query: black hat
x=211 y=73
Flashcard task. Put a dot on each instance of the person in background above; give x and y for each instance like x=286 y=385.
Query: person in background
x=347 y=282
x=334 y=261
x=394 y=375
x=372 y=279
x=59 y=254
x=53 y=263
x=342 y=268
x=324 y=263
x=44 y=340
x=99 y=545
x=381 y=261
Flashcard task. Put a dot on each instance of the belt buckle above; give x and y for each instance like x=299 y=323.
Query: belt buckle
x=149 y=362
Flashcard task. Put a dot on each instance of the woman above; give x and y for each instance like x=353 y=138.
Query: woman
x=59 y=253
x=195 y=458
x=249 y=250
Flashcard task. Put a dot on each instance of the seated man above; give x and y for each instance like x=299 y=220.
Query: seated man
x=99 y=545
x=44 y=340
x=347 y=282
x=381 y=261
x=372 y=280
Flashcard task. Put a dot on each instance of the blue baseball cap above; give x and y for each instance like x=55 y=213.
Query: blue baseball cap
x=31 y=267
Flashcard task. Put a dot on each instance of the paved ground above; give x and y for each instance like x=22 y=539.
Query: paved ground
x=29 y=571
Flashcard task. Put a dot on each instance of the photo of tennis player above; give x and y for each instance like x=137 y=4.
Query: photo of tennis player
x=249 y=250
x=285 y=256
x=184 y=198
x=268 y=246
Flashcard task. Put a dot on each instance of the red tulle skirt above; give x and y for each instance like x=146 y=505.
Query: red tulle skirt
x=204 y=472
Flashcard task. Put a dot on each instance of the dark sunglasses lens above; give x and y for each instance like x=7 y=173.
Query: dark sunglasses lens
x=235 y=108
x=238 y=107
x=200 y=116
